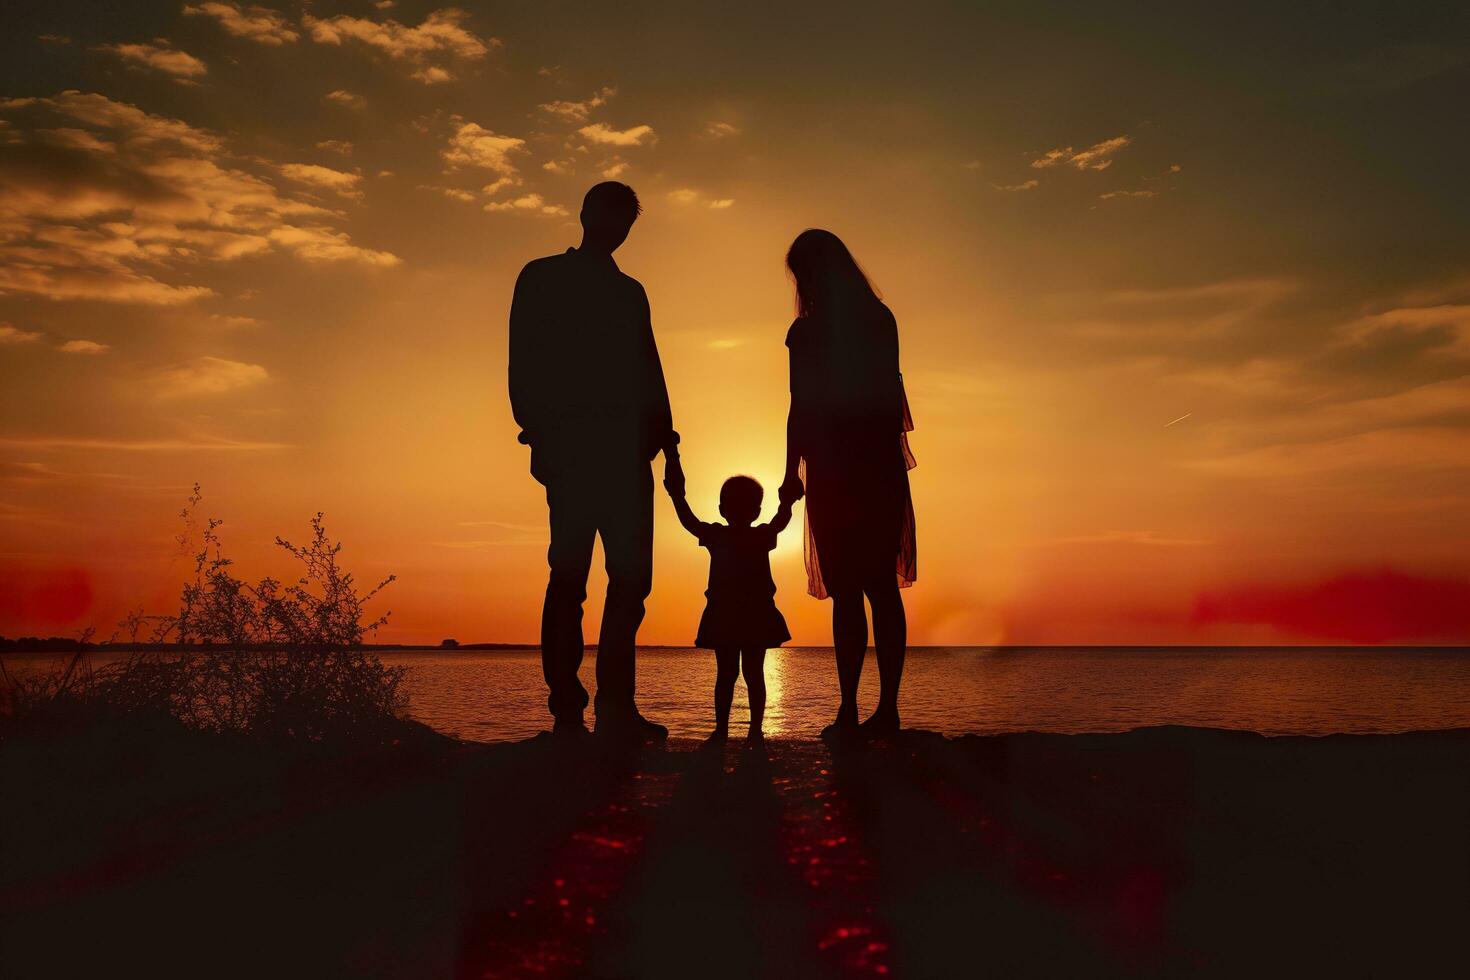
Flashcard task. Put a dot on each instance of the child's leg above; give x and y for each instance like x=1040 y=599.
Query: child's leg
x=753 y=665
x=727 y=668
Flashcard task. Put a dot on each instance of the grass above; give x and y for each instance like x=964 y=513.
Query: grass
x=272 y=659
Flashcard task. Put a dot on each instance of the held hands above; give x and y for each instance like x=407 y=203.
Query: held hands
x=791 y=490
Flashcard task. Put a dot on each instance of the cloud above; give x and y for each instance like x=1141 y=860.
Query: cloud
x=1096 y=157
x=1099 y=155
x=83 y=347
x=527 y=203
x=1403 y=450
x=721 y=130
x=31 y=472
x=324 y=177
x=115 y=204
x=1160 y=182
x=345 y=98
x=559 y=167
x=472 y=145
x=504 y=534
x=578 y=111
x=451 y=192
x=614 y=170
x=53 y=39
x=112 y=286
x=343 y=147
x=687 y=196
x=1143 y=538
x=207 y=376
x=1051 y=158
x=11 y=336
x=159 y=56
x=1183 y=319
x=83 y=444
x=1025 y=185
x=1441 y=330
x=320 y=243
x=442 y=34
x=259 y=24
x=633 y=136
x=1364 y=606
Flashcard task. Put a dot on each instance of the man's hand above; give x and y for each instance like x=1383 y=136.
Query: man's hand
x=673 y=474
x=791 y=490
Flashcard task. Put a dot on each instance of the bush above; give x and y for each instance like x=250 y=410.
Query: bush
x=266 y=660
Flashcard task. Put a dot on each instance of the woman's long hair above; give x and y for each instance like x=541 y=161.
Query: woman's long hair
x=827 y=277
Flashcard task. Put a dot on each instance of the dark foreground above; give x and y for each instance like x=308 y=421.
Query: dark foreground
x=1161 y=852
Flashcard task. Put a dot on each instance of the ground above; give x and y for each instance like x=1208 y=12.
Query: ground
x=1161 y=852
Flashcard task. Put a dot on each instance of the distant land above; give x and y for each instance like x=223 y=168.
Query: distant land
x=66 y=644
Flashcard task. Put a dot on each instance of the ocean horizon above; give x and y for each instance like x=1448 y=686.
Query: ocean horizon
x=497 y=693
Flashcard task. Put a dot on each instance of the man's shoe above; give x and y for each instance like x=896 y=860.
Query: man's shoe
x=651 y=731
x=570 y=728
x=631 y=727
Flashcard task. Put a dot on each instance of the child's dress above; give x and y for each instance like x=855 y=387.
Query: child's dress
x=740 y=604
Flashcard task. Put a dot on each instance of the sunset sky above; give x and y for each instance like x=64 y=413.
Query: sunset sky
x=1183 y=295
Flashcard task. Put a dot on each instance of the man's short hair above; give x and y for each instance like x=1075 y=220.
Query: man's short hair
x=612 y=200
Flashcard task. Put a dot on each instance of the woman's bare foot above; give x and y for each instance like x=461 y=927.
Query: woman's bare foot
x=846 y=723
x=884 y=721
x=716 y=739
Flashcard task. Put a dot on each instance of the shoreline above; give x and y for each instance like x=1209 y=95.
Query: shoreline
x=66 y=647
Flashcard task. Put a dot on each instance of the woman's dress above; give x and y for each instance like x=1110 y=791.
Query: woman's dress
x=851 y=420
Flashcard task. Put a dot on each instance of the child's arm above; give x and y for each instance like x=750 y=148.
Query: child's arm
x=782 y=518
x=691 y=523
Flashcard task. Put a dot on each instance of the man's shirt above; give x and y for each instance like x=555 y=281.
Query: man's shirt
x=584 y=367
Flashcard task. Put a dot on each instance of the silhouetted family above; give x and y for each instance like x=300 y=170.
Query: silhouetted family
x=588 y=391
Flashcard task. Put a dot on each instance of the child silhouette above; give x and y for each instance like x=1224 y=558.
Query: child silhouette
x=740 y=616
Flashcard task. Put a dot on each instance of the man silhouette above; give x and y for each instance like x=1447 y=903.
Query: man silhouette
x=587 y=390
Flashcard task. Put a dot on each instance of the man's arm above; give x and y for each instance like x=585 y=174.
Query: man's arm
x=528 y=381
x=658 y=418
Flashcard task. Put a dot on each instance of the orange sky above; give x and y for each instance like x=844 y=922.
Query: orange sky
x=1184 y=302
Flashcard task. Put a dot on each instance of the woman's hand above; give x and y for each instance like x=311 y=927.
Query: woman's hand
x=791 y=489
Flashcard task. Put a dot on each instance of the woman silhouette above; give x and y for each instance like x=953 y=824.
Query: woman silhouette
x=847 y=450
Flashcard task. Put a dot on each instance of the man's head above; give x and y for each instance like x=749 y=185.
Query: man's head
x=608 y=213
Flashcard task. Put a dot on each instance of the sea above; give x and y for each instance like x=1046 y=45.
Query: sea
x=499 y=695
